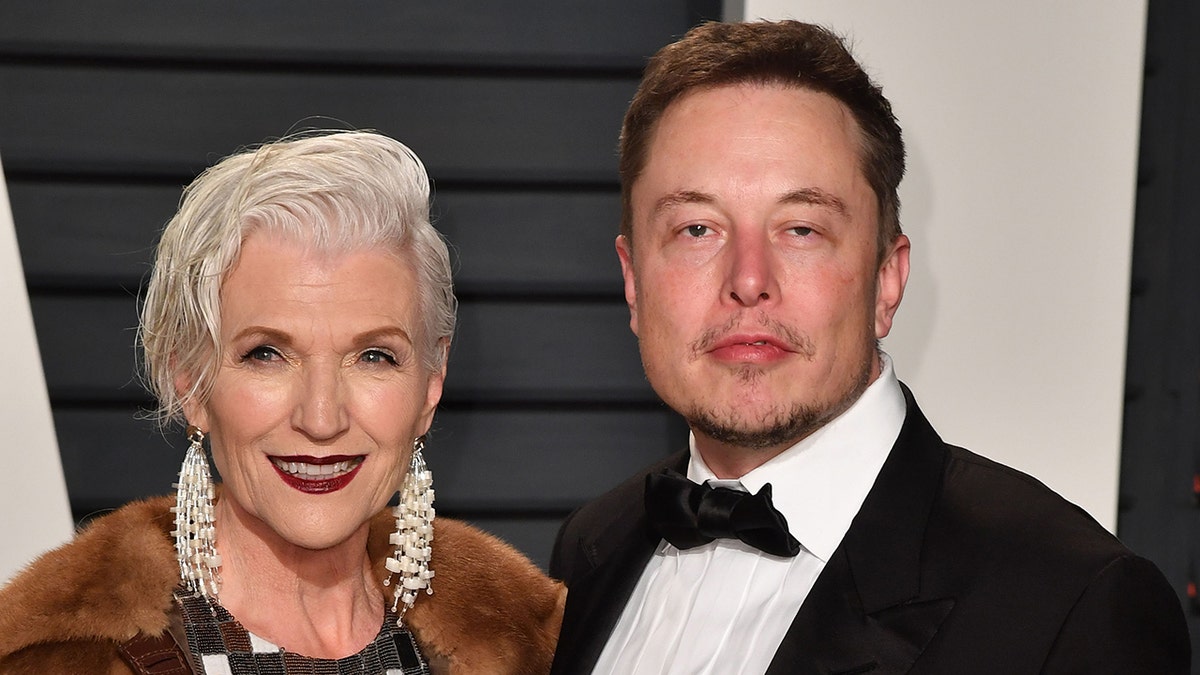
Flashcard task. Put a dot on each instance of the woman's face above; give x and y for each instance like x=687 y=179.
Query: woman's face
x=320 y=391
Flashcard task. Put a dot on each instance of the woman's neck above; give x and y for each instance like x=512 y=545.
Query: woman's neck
x=323 y=604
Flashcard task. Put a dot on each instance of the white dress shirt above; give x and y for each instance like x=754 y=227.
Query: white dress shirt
x=723 y=608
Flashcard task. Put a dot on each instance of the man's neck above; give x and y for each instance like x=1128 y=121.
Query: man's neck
x=730 y=462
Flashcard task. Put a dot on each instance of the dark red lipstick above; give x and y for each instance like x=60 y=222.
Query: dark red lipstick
x=317 y=475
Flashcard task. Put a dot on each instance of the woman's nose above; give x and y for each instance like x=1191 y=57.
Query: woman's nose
x=320 y=412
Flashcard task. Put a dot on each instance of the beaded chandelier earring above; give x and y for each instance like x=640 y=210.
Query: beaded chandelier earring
x=195 y=535
x=413 y=536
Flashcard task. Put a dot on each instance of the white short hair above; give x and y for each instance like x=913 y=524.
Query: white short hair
x=335 y=191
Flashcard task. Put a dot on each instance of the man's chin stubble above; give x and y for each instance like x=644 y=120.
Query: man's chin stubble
x=776 y=429
x=784 y=428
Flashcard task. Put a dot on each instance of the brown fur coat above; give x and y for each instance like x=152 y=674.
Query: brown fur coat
x=492 y=610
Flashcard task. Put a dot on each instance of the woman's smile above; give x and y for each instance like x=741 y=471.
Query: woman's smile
x=318 y=475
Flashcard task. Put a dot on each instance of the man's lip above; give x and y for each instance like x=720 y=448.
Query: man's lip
x=744 y=340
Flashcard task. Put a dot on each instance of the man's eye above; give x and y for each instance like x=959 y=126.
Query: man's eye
x=377 y=356
x=802 y=231
x=697 y=230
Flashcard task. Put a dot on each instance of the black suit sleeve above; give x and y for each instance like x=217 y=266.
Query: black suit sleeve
x=1128 y=620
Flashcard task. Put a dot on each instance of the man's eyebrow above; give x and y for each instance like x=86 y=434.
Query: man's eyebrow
x=815 y=197
x=681 y=197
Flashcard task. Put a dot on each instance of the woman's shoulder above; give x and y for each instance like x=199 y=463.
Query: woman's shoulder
x=112 y=581
x=492 y=610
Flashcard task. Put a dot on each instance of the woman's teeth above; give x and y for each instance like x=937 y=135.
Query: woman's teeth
x=312 y=471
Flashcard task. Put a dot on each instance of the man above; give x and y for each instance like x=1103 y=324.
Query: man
x=763 y=260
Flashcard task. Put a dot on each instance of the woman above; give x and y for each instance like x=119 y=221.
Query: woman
x=298 y=320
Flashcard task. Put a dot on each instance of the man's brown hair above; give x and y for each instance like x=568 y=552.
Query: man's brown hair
x=788 y=53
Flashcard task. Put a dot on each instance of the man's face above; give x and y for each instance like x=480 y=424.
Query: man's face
x=753 y=278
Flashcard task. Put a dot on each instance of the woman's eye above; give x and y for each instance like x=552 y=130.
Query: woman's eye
x=261 y=353
x=377 y=356
x=697 y=230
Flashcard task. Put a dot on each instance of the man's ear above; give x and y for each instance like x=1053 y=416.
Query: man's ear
x=890 y=283
x=625 y=253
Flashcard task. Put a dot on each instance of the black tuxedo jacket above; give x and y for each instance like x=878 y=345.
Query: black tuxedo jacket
x=954 y=564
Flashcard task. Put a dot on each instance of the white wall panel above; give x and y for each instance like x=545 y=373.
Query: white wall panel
x=34 y=512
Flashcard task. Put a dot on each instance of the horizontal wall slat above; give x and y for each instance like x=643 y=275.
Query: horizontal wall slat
x=554 y=351
x=532 y=241
x=96 y=235
x=615 y=33
x=497 y=460
x=87 y=347
x=162 y=122
x=504 y=351
x=91 y=235
x=505 y=462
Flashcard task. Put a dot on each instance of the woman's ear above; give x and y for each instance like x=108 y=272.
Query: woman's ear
x=433 y=390
x=193 y=410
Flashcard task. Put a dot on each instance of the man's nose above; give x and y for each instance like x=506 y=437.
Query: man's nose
x=752 y=275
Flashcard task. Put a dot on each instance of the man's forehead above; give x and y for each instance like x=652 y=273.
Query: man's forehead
x=708 y=102
x=747 y=87
x=834 y=110
x=750 y=124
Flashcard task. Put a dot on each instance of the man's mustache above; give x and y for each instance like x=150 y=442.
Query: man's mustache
x=781 y=334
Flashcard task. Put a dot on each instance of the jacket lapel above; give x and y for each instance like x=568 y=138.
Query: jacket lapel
x=866 y=614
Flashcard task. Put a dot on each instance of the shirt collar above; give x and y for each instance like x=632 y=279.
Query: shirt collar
x=820 y=483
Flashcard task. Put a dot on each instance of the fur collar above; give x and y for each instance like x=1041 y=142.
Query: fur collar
x=492 y=610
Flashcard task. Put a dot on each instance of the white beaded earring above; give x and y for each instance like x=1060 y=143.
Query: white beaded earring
x=413 y=537
x=195 y=534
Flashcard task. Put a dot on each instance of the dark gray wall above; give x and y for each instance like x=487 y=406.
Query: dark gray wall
x=109 y=108
x=1160 y=450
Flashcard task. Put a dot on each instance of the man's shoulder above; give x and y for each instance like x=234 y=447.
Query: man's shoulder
x=997 y=528
x=1006 y=546
x=984 y=508
x=1011 y=507
x=612 y=516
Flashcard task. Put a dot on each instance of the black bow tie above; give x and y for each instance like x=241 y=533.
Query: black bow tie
x=689 y=515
